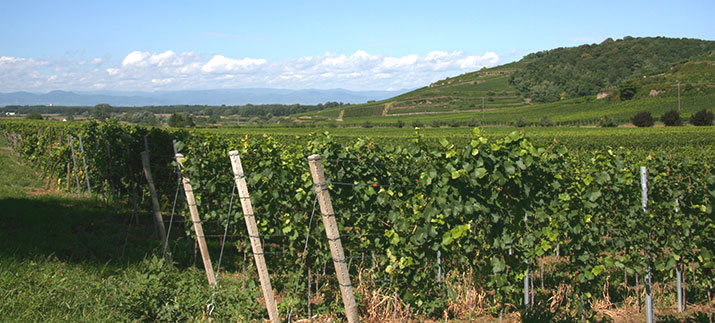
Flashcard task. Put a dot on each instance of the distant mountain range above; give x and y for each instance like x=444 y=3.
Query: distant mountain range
x=195 y=97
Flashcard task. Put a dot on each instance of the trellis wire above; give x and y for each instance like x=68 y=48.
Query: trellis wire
x=210 y=308
x=305 y=256
x=171 y=218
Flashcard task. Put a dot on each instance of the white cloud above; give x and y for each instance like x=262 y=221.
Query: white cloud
x=19 y=63
x=162 y=81
x=396 y=63
x=475 y=62
x=222 y=64
x=135 y=58
x=94 y=61
x=163 y=58
x=169 y=70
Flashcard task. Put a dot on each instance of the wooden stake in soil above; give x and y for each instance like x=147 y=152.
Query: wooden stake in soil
x=679 y=278
x=256 y=246
x=74 y=164
x=84 y=163
x=638 y=294
x=331 y=231
x=191 y=201
x=67 y=179
x=110 y=179
x=158 y=220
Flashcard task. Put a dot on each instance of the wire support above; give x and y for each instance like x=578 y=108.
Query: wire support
x=211 y=305
x=362 y=161
x=371 y=184
x=305 y=254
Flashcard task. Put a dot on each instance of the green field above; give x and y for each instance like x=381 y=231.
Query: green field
x=399 y=202
x=574 y=137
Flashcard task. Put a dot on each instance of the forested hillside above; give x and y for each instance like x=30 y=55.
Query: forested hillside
x=588 y=69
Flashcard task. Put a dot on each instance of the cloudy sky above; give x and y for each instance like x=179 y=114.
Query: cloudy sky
x=362 y=45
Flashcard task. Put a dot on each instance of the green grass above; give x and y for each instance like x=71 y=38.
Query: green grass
x=15 y=178
x=61 y=260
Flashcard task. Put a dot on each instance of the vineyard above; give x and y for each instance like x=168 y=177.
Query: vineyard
x=430 y=229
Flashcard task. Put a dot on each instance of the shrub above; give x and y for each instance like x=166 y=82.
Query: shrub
x=454 y=124
x=436 y=124
x=181 y=121
x=473 y=122
x=671 y=118
x=34 y=116
x=546 y=122
x=627 y=91
x=643 y=119
x=702 y=118
x=367 y=124
x=521 y=122
x=400 y=123
x=607 y=122
x=417 y=124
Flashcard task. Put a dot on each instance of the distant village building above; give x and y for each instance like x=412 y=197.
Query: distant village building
x=655 y=92
x=602 y=95
x=9 y=113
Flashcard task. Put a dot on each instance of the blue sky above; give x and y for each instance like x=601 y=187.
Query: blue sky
x=358 y=45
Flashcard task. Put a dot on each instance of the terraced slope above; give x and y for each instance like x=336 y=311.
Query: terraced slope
x=487 y=88
x=490 y=96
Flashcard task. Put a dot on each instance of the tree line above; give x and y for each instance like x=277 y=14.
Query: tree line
x=99 y=111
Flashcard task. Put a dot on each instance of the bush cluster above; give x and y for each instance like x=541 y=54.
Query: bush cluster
x=643 y=119
x=607 y=122
x=702 y=118
x=671 y=118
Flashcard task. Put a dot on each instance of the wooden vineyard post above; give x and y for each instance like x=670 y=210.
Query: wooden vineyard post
x=110 y=179
x=331 y=231
x=74 y=164
x=84 y=163
x=158 y=220
x=191 y=201
x=249 y=217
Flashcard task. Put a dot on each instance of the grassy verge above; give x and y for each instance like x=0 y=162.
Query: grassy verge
x=63 y=258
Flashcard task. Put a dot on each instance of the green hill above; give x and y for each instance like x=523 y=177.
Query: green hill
x=588 y=69
x=634 y=74
x=488 y=88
